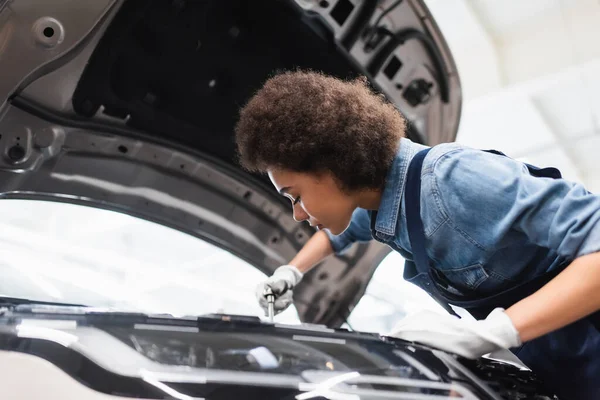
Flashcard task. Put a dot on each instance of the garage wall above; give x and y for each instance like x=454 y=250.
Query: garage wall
x=531 y=77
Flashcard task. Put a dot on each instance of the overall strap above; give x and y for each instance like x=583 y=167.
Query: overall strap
x=416 y=233
x=548 y=172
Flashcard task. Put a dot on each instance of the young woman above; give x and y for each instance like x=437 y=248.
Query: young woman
x=516 y=246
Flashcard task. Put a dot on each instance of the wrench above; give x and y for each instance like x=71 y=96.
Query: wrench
x=268 y=293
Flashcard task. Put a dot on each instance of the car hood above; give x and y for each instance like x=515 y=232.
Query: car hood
x=130 y=106
x=136 y=355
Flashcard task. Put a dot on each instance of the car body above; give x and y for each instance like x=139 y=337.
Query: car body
x=129 y=106
x=82 y=353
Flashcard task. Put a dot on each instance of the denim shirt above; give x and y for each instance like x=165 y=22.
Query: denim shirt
x=488 y=223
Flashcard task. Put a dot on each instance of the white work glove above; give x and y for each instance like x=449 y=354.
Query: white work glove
x=283 y=280
x=470 y=339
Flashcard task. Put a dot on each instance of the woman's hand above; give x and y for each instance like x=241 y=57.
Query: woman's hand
x=281 y=283
x=468 y=338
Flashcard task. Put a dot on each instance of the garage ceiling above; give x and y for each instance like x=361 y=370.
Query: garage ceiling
x=531 y=77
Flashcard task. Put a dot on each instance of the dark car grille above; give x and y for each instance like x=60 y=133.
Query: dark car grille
x=509 y=381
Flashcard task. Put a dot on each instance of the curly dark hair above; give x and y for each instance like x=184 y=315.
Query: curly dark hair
x=305 y=121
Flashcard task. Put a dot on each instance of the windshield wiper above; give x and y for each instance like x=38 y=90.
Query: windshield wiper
x=6 y=301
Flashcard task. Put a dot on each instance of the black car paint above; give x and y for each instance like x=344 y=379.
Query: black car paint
x=221 y=342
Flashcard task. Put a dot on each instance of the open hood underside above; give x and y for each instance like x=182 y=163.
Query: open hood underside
x=130 y=105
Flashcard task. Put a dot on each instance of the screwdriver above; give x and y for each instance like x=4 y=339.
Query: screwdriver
x=268 y=293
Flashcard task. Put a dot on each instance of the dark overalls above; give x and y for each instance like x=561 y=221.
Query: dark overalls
x=567 y=360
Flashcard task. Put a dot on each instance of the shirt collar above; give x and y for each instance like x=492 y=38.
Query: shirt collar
x=391 y=198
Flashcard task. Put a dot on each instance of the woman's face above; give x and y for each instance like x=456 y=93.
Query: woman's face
x=315 y=198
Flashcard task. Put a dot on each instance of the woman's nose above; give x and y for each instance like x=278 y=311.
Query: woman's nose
x=299 y=214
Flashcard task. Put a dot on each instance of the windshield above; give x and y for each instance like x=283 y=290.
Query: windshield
x=67 y=253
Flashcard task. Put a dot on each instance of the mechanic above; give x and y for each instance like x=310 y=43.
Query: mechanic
x=516 y=246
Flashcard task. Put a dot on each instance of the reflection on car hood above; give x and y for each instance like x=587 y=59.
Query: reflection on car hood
x=222 y=356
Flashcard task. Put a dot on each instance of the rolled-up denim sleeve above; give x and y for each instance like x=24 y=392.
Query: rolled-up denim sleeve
x=358 y=231
x=486 y=195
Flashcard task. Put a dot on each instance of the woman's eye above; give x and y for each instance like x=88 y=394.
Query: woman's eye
x=296 y=200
